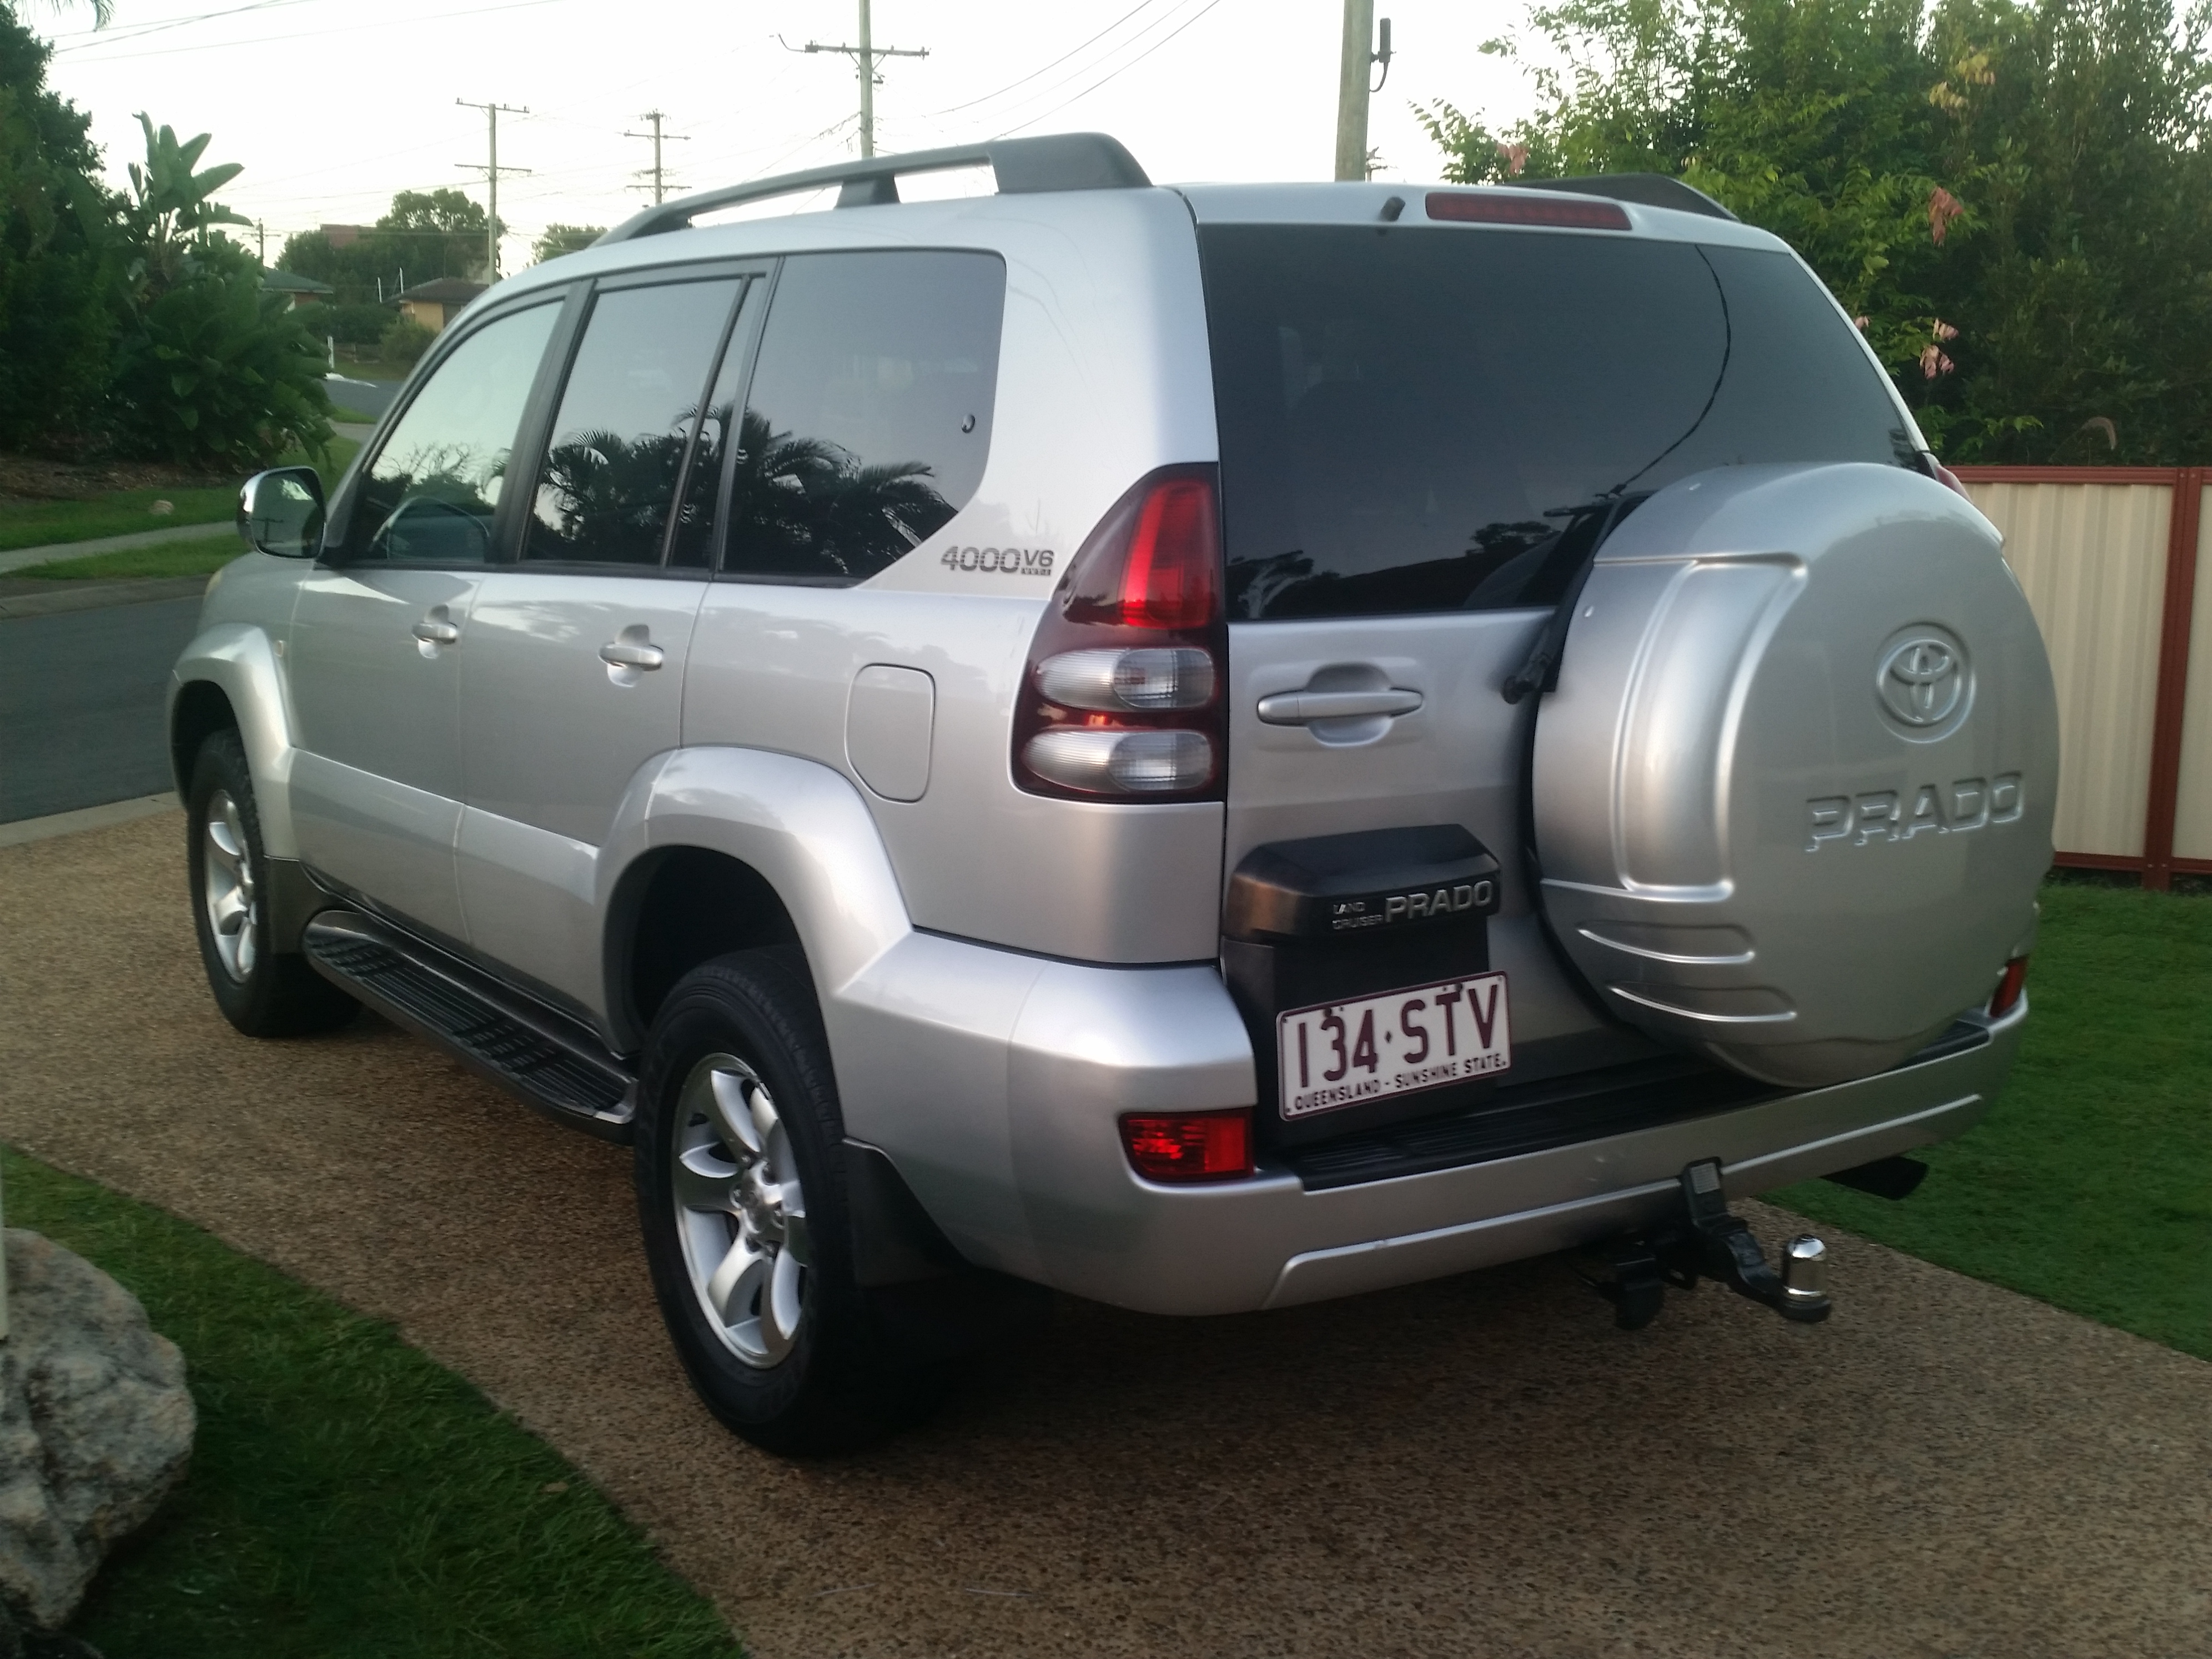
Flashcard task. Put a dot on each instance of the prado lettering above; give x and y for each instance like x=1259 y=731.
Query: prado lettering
x=1968 y=804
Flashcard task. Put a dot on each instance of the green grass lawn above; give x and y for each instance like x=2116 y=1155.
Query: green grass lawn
x=119 y=513
x=200 y=555
x=348 y=1499
x=2089 y=1184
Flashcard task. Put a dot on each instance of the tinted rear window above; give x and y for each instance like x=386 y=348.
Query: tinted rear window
x=1399 y=408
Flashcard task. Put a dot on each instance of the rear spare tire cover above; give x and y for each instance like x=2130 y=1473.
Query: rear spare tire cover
x=1793 y=796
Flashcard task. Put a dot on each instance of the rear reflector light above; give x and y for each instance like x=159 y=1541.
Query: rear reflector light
x=1575 y=213
x=2009 y=987
x=1187 y=1146
x=1121 y=697
x=1105 y=760
x=1154 y=677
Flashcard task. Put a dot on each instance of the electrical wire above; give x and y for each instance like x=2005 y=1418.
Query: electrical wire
x=954 y=109
x=1103 y=80
x=83 y=38
x=304 y=34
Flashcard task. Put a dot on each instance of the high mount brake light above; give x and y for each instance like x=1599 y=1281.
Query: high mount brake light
x=2009 y=989
x=1487 y=208
x=1189 y=1146
x=1122 y=697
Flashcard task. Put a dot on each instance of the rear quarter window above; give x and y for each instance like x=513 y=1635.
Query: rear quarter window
x=868 y=420
x=1403 y=411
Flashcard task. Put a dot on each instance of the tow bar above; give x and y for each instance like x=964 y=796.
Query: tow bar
x=1709 y=1242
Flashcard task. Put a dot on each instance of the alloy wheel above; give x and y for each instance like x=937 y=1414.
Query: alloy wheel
x=740 y=1213
x=226 y=888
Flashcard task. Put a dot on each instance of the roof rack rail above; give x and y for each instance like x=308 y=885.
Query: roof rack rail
x=1645 y=189
x=1060 y=161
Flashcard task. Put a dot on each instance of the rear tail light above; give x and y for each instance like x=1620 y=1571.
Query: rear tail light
x=1189 y=1146
x=1122 y=694
x=2009 y=987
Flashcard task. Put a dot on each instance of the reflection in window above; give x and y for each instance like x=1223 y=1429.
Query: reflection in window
x=632 y=398
x=869 y=418
x=429 y=496
x=1432 y=420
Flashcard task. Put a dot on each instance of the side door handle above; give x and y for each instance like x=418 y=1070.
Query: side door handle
x=1303 y=707
x=435 y=629
x=631 y=653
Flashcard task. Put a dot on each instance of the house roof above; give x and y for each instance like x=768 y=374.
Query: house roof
x=443 y=291
x=290 y=281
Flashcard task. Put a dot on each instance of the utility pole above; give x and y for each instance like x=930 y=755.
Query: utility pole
x=657 y=117
x=261 y=242
x=864 y=58
x=1351 y=87
x=491 y=169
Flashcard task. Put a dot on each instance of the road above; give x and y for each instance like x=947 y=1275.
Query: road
x=81 y=696
x=1480 y=1466
x=367 y=398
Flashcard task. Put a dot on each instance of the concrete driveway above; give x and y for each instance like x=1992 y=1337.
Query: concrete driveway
x=1478 y=1467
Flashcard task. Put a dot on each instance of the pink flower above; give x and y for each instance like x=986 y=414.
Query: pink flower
x=1933 y=362
x=1944 y=330
x=1943 y=209
x=1516 y=156
x=1860 y=324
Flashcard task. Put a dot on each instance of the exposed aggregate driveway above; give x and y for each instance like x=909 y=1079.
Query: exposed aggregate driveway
x=1478 y=1467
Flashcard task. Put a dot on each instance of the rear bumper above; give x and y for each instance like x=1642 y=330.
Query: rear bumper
x=995 y=1082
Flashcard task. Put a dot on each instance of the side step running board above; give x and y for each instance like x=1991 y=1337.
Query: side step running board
x=548 y=1060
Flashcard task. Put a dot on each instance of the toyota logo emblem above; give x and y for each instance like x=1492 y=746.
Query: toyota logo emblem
x=1923 y=681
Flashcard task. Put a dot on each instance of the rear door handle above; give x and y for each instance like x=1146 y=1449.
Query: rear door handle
x=433 y=632
x=625 y=654
x=1302 y=707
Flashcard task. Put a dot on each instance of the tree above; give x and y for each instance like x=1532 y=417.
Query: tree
x=429 y=233
x=210 y=370
x=2013 y=196
x=564 y=239
x=56 y=323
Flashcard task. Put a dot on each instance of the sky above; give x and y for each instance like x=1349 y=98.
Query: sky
x=333 y=105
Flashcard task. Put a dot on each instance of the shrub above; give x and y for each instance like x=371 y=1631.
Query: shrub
x=353 y=325
x=216 y=373
x=405 y=341
x=211 y=370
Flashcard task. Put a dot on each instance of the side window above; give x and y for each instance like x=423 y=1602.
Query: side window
x=429 y=496
x=869 y=417
x=633 y=399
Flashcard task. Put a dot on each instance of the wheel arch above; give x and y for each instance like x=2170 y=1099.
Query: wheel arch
x=719 y=849
x=227 y=676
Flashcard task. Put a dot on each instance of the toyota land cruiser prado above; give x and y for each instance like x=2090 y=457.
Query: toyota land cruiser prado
x=1202 y=748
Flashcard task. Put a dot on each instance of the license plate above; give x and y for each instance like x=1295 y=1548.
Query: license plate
x=1374 y=1048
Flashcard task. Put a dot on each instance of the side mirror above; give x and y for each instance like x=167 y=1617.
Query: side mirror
x=281 y=512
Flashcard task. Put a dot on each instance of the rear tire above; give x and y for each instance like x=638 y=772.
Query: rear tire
x=741 y=1197
x=260 y=992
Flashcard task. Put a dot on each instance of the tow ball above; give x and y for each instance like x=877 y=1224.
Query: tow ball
x=1709 y=1242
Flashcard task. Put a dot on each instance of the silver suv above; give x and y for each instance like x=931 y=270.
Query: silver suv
x=1203 y=748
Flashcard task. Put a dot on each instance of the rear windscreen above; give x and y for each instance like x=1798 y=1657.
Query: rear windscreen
x=1404 y=412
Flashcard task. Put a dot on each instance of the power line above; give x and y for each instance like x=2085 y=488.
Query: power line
x=384 y=25
x=656 y=117
x=954 y=109
x=865 y=56
x=1103 y=80
x=491 y=170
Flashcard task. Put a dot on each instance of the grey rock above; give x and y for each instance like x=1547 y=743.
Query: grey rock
x=96 y=1426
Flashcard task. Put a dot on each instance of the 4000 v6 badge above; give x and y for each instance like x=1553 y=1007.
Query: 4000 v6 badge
x=1002 y=561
